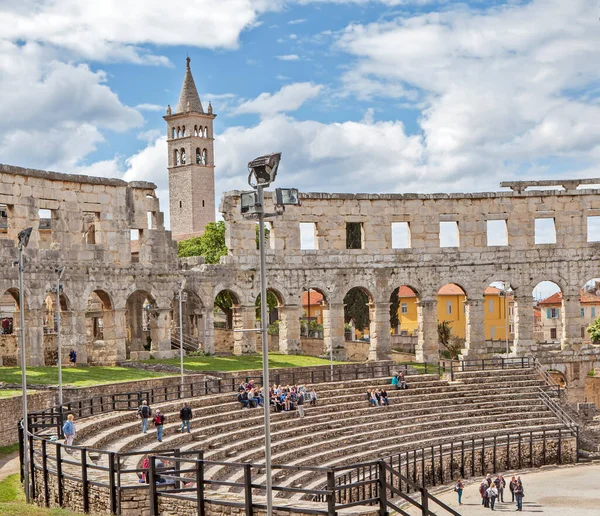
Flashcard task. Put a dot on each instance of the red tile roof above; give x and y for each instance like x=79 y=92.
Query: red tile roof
x=585 y=297
x=316 y=298
x=447 y=290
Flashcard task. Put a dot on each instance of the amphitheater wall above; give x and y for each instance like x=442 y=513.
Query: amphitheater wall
x=12 y=412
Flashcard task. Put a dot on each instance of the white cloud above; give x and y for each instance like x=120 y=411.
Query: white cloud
x=296 y=22
x=289 y=98
x=289 y=57
x=116 y=29
x=149 y=107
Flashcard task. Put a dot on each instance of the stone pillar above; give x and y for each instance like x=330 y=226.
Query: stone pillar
x=333 y=330
x=571 y=321
x=207 y=331
x=160 y=332
x=34 y=337
x=379 y=331
x=523 y=323
x=289 y=329
x=73 y=336
x=474 y=327
x=114 y=324
x=427 y=349
x=244 y=317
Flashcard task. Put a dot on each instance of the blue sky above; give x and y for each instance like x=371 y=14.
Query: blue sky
x=359 y=95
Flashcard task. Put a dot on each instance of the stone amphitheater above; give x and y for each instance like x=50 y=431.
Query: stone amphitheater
x=343 y=457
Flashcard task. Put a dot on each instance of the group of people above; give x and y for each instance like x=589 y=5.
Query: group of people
x=399 y=381
x=282 y=399
x=492 y=491
x=377 y=398
x=159 y=419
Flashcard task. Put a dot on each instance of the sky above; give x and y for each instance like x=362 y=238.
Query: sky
x=358 y=95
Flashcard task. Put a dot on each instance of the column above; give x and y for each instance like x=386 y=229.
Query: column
x=427 y=349
x=207 y=331
x=379 y=331
x=34 y=337
x=523 y=324
x=571 y=321
x=244 y=317
x=160 y=332
x=289 y=329
x=333 y=330
x=114 y=323
x=73 y=336
x=475 y=327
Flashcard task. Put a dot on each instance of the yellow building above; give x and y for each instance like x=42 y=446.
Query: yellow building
x=451 y=307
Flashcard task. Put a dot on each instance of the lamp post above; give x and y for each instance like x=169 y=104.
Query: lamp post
x=181 y=286
x=505 y=294
x=59 y=271
x=261 y=173
x=23 y=241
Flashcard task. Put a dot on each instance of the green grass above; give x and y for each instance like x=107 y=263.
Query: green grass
x=235 y=363
x=7 y=450
x=7 y=393
x=79 y=376
x=12 y=501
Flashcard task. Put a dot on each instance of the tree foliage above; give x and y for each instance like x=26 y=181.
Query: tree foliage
x=272 y=303
x=594 y=331
x=447 y=339
x=211 y=245
x=356 y=308
x=394 y=305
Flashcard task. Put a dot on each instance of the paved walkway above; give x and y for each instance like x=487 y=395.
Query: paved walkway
x=572 y=491
x=9 y=464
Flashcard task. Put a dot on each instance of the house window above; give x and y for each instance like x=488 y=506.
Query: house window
x=511 y=328
x=553 y=333
x=511 y=310
x=449 y=307
x=582 y=313
x=404 y=308
x=552 y=313
x=491 y=306
x=583 y=332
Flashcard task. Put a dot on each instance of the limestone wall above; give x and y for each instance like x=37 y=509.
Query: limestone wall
x=12 y=412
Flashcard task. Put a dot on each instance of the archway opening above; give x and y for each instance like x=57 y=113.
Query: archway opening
x=499 y=310
x=404 y=321
x=357 y=314
x=451 y=311
x=138 y=314
x=192 y=321
x=547 y=313
x=314 y=304
x=50 y=326
x=590 y=311
x=9 y=311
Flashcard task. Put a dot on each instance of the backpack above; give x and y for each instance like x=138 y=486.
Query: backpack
x=159 y=419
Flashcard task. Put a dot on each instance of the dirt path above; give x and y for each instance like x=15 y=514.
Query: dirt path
x=9 y=465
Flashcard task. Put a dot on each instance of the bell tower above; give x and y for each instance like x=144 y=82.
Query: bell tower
x=191 y=162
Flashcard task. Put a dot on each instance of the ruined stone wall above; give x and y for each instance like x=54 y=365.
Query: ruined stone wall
x=12 y=412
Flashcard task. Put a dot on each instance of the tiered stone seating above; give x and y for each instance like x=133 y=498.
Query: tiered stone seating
x=342 y=429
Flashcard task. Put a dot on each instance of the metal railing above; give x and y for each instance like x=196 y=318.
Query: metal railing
x=189 y=343
x=486 y=364
x=547 y=377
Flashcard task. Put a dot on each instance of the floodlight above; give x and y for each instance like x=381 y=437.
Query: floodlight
x=287 y=197
x=264 y=169
x=24 y=237
x=248 y=202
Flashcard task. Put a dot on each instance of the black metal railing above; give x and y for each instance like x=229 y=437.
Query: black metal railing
x=462 y=366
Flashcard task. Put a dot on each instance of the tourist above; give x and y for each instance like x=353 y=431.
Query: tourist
x=243 y=399
x=159 y=421
x=519 y=494
x=145 y=467
x=401 y=381
x=372 y=397
x=483 y=487
x=383 y=398
x=511 y=486
x=500 y=485
x=395 y=381
x=459 y=490
x=69 y=430
x=313 y=397
x=251 y=401
x=492 y=493
x=73 y=357
x=300 y=403
x=144 y=412
x=185 y=414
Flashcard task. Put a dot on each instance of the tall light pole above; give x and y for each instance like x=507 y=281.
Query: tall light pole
x=59 y=271
x=505 y=293
x=181 y=286
x=262 y=172
x=23 y=241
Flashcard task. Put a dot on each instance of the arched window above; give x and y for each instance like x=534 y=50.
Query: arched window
x=173 y=133
x=179 y=132
x=204 y=156
x=183 y=131
x=203 y=203
x=195 y=130
x=198 y=158
x=183 y=156
x=206 y=132
x=176 y=157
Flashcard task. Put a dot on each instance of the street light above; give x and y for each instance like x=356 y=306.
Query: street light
x=505 y=293
x=261 y=173
x=23 y=241
x=59 y=271
x=181 y=286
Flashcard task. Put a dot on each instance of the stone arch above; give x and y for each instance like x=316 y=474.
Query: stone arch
x=589 y=300
x=498 y=309
x=138 y=315
x=174 y=132
x=204 y=155
x=182 y=154
x=403 y=315
x=192 y=318
x=549 y=313
x=178 y=132
x=205 y=132
x=183 y=131
x=198 y=156
x=196 y=130
x=357 y=301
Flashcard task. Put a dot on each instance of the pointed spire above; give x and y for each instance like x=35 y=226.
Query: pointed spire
x=189 y=99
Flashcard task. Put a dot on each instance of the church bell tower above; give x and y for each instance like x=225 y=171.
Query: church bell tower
x=191 y=162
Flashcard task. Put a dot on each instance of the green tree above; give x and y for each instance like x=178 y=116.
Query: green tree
x=211 y=245
x=594 y=331
x=356 y=309
x=446 y=338
x=271 y=303
x=394 y=305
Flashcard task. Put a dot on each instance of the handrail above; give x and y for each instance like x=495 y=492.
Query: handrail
x=545 y=374
x=559 y=412
x=483 y=364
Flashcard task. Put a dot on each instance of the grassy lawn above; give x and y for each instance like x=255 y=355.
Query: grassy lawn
x=8 y=392
x=235 y=363
x=79 y=376
x=12 y=501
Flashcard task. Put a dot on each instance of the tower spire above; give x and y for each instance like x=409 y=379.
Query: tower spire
x=189 y=100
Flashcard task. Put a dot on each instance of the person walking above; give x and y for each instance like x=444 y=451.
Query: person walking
x=483 y=487
x=492 y=493
x=511 y=487
x=185 y=414
x=300 y=403
x=459 y=490
x=159 y=421
x=69 y=430
x=144 y=412
x=313 y=397
x=519 y=494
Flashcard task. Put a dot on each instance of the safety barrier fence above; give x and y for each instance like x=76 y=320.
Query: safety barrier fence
x=462 y=366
